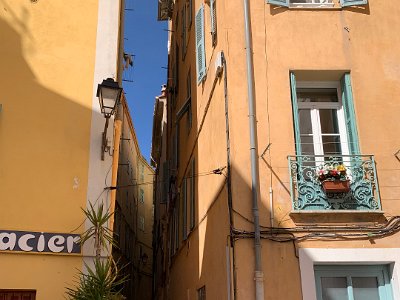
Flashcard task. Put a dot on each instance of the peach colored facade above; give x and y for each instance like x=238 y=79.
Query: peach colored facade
x=319 y=47
x=53 y=55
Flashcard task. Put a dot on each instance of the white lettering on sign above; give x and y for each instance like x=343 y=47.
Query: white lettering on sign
x=56 y=243
x=23 y=242
x=39 y=242
x=40 y=245
x=71 y=240
x=10 y=243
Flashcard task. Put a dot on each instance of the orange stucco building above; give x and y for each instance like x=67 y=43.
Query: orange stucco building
x=282 y=114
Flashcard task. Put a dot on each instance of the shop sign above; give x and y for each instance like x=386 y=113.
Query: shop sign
x=27 y=241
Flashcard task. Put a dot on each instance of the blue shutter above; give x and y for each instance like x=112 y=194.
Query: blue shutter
x=349 y=114
x=200 y=51
x=213 y=13
x=296 y=123
x=353 y=2
x=279 y=2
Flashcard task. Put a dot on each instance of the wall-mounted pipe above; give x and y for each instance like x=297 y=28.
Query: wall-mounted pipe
x=255 y=184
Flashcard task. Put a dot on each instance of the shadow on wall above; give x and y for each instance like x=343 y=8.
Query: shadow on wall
x=44 y=139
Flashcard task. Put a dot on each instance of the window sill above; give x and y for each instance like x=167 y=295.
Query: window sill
x=337 y=216
x=312 y=5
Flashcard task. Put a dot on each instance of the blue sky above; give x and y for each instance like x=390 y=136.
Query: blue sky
x=146 y=38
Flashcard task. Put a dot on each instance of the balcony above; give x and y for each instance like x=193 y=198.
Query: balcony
x=307 y=191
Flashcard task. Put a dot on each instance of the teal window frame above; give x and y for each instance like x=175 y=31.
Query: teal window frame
x=381 y=272
x=348 y=108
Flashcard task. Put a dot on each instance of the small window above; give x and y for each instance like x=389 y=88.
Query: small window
x=200 y=46
x=17 y=295
x=213 y=12
x=189 y=13
x=183 y=32
x=189 y=98
x=141 y=223
x=141 y=196
x=201 y=293
x=353 y=282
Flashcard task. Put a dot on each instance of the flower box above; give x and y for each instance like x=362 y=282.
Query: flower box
x=336 y=186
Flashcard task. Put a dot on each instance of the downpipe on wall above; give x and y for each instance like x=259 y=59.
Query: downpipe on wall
x=255 y=184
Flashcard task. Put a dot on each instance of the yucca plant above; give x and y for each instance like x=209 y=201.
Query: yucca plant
x=99 y=231
x=100 y=283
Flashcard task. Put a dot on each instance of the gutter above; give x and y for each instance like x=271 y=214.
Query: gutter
x=255 y=184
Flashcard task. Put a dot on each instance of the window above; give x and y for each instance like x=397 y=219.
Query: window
x=353 y=282
x=326 y=138
x=141 y=223
x=165 y=182
x=192 y=195
x=189 y=13
x=184 y=199
x=183 y=32
x=321 y=119
x=141 y=172
x=213 y=13
x=201 y=293
x=200 y=50
x=141 y=196
x=189 y=99
x=324 y=118
x=17 y=295
x=316 y=3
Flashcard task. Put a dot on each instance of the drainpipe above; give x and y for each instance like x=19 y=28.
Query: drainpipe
x=255 y=185
x=114 y=170
x=229 y=184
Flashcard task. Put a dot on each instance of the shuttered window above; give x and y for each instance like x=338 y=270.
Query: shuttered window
x=321 y=126
x=189 y=13
x=213 y=12
x=350 y=117
x=200 y=49
x=183 y=32
x=192 y=196
x=184 y=208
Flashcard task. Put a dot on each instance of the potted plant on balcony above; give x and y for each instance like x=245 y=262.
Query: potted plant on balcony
x=333 y=178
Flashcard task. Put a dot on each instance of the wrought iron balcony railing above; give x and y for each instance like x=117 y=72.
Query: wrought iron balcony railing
x=308 y=173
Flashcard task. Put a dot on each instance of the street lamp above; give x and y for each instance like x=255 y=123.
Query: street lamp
x=109 y=94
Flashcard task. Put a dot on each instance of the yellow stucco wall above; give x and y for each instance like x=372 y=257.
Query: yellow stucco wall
x=47 y=58
x=362 y=40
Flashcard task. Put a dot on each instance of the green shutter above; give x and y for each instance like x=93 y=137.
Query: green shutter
x=200 y=50
x=353 y=2
x=349 y=114
x=296 y=123
x=213 y=13
x=279 y=2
